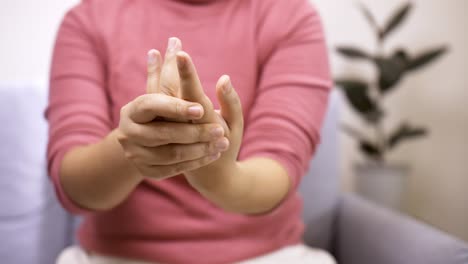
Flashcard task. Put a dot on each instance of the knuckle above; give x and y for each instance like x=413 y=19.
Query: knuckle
x=158 y=139
x=134 y=132
x=204 y=161
x=179 y=108
x=151 y=70
x=139 y=100
x=122 y=137
x=143 y=104
x=123 y=141
x=124 y=110
x=209 y=148
x=130 y=155
x=167 y=86
x=176 y=154
x=198 y=131
x=163 y=135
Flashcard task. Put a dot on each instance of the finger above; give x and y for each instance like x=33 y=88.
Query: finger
x=148 y=107
x=178 y=168
x=176 y=153
x=231 y=107
x=222 y=122
x=162 y=133
x=191 y=88
x=154 y=71
x=169 y=81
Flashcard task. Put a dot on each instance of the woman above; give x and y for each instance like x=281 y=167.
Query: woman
x=161 y=177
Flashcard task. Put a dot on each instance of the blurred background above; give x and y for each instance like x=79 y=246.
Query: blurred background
x=435 y=178
x=435 y=98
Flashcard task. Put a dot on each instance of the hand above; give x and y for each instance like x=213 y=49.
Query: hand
x=231 y=184
x=160 y=149
x=168 y=81
x=236 y=186
x=178 y=78
x=208 y=178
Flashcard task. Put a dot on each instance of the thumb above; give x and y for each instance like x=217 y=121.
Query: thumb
x=231 y=107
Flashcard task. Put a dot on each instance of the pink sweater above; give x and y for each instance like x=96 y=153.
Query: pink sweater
x=275 y=53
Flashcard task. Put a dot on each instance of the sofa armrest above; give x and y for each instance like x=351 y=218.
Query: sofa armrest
x=367 y=234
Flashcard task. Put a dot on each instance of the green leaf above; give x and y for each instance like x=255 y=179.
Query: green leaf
x=396 y=20
x=426 y=57
x=405 y=132
x=370 y=149
x=369 y=17
x=353 y=53
x=357 y=94
x=391 y=70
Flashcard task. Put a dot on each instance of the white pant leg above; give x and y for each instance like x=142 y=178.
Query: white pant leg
x=73 y=255
x=76 y=255
x=297 y=254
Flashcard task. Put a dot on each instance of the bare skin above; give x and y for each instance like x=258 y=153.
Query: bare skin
x=102 y=175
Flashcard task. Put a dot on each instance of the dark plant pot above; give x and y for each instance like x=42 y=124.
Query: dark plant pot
x=383 y=184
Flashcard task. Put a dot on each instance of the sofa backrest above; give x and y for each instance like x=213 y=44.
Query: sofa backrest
x=33 y=226
x=320 y=186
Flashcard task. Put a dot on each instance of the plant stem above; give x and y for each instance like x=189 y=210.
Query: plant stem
x=378 y=127
x=380 y=134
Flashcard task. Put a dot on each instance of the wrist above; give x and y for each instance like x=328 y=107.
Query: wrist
x=212 y=178
x=224 y=187
x=130 y=169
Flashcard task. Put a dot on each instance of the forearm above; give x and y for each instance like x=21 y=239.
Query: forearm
x=252 y=186
x=98 y=176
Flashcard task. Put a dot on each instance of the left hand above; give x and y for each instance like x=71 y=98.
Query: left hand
x=179 y=78
x=231 y=112
x=233 y=185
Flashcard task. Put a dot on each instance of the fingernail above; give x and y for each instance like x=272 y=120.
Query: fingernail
x=217 y=132
x=215 y=156
x=222 y=144
x=172 y=44
x=227 y=85
x=152 y=58
x=195 y=111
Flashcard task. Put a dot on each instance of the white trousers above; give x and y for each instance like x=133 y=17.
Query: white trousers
x=298 y=254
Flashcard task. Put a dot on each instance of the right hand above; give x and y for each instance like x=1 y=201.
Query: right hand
x=161 y=149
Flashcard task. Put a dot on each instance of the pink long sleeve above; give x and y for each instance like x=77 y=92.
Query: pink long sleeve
x=294 y=84
x=78 y=111
x=274 y=51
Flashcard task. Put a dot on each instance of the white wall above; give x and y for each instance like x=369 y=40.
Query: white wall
x=28 y=30
x=436 y=97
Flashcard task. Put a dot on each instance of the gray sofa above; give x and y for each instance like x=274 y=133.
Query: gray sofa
x=356 y=231
x=33 y=227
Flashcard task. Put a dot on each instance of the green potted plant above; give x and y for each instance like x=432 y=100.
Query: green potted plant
x=377 y=179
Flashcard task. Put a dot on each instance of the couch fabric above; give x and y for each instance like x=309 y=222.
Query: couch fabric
x=33 y=226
